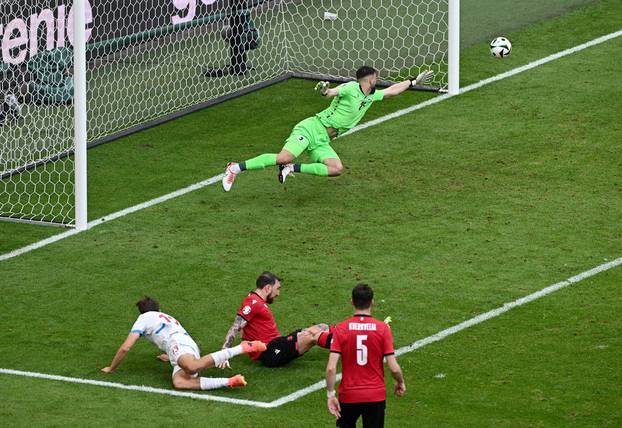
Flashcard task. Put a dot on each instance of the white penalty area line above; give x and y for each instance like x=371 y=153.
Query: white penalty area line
x=365 y=125
x=466 y=324
x=322 y=384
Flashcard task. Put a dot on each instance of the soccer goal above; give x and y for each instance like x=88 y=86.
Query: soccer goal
x=121 y=67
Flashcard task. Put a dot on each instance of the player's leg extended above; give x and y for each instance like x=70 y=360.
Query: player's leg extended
x=295 y=145
x=185 y=380
x=327 y=163
x=214 y=359
x=217 y=358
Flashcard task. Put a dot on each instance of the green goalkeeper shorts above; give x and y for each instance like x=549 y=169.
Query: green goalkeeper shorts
x=310 y=136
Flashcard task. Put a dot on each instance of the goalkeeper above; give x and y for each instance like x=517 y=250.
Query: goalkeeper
x=350 y=102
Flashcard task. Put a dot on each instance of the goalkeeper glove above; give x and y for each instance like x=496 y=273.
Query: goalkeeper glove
x=422 y=78
x=322 y=87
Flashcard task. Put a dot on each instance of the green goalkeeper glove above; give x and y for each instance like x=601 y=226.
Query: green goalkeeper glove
x=322 y=87
x=422 y=78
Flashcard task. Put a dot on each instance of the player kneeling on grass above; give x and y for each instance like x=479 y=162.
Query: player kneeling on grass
x=313 y=135
x=256 y=322
x=168 y=335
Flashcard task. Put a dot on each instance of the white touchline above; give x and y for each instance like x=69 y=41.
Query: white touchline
x=374 y=122
x=322 y=384
x=141 y=388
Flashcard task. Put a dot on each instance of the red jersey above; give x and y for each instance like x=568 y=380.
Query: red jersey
x=260 y=322
x=363 y=342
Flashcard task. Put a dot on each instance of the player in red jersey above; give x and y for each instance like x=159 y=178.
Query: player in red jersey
x=362 y=342
x=254 y=319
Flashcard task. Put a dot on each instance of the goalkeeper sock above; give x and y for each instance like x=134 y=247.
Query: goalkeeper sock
x=223 y=355
x=213 y=382
x=260 y=162
x=312 y=168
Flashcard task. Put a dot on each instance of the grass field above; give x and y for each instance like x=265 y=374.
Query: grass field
x=448 y=212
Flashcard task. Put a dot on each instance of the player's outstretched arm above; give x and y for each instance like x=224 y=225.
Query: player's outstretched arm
x=396 y=372
x=331 y=378
x=238 y=324
x=397 y=88
x=123 y=349
x=422 y=78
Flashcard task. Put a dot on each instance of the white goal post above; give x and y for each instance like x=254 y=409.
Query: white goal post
x=85 y=72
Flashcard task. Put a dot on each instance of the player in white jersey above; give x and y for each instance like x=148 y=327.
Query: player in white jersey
x=182 y=352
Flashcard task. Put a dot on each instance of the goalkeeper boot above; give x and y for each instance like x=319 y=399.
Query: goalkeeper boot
x=229 y=178
x=284 y=171
x=254 y=346
x=237 y=380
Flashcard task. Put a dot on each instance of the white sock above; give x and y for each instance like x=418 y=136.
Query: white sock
x=213 y=382
x=224 y=354
x=236 y=168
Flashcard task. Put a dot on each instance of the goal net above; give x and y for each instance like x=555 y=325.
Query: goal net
x=149 y=61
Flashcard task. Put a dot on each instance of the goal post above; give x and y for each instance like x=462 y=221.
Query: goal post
x=453 y=48
x=80 y=115
x=127 y=66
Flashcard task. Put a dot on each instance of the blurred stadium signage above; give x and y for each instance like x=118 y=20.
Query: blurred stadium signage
x=37 y=26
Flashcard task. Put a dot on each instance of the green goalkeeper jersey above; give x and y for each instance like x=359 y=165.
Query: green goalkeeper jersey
x=349 y=107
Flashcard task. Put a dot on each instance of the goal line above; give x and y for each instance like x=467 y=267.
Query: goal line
x=216 y=178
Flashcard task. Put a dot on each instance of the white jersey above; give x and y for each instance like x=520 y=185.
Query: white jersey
x=159 y=329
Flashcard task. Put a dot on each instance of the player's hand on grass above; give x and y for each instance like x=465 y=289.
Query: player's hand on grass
x=224 y=365
x=399 y=389
x=422 y=78
x=163 y=357
x=322 y=87
x=333 y=407
x=107 y=370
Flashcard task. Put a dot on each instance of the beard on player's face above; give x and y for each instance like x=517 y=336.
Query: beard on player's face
x=272 y=294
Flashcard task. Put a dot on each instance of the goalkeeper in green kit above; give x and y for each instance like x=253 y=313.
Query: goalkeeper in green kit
x=350 y=102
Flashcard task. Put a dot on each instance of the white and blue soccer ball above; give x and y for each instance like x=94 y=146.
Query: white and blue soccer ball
x=500 y=47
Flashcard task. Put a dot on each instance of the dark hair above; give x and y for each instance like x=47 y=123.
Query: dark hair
x=362 y=296
x=266 y=278
x=147 y=304
x=365 y=71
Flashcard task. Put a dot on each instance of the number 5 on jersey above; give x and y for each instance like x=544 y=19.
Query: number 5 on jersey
x=361 y=350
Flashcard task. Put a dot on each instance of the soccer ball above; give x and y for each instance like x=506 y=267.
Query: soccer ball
x=500 y=47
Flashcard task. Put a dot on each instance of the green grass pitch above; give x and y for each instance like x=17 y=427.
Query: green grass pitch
x=448 y=212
